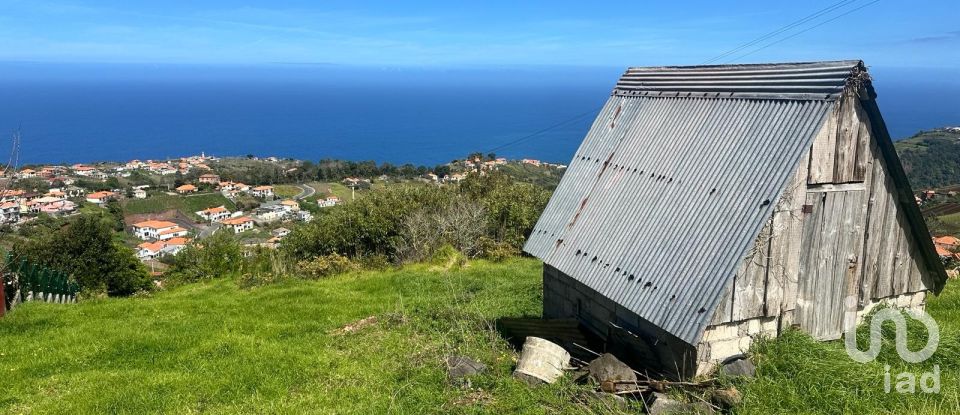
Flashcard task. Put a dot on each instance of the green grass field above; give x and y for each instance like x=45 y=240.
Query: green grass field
x=189 y=204
x=286 y=191
x=215 y=348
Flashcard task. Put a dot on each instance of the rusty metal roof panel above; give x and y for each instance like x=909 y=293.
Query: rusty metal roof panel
x=666 y=195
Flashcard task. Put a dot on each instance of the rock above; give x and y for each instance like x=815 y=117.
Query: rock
x=726 y=398
x=459 y=367
x=663 y=405
x=612 y=374
x=739 y=367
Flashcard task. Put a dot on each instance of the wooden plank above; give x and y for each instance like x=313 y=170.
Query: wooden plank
x=873 y=235
x=889 y=234
x=724 y=309
x=916 y=271
x=853 y=234
x=748 y=294
x=779 y=244
x=847 y=140
x=866 y=152
x=839 y=187
x=809 y=257
x=794 y=240
x=901 y=279
x=830 y=268
x=823 y=150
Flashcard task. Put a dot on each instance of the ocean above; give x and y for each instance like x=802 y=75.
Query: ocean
x=85 y=113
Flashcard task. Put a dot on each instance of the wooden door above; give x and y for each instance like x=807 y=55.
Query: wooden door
x=829 y=259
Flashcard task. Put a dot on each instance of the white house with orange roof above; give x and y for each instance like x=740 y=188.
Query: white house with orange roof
x=187 y=188
x=214 y=214
x=329 y=201
x=158 y=229
x=239 y=224
x=100 y=198
x=82 y=170
x=290 y=206
x=27 y=173
x=262 y=191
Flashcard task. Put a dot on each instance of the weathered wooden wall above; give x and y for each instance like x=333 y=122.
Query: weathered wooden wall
x=838 y=232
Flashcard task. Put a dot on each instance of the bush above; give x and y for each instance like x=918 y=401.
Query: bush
x=498 y=251
x=219 y=255
x=326 y=265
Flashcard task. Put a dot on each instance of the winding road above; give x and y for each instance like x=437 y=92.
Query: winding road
x=305 y=191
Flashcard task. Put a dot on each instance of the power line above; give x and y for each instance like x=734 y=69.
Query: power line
x=803 y=31
x=536 y=133
x=806 y=19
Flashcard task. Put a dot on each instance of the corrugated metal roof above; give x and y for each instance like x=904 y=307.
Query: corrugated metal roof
x=812 y=80
x=667 y=193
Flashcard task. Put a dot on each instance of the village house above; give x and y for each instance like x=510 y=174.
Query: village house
x=186 y=188
x=158 y=249
x=210 y=179
x=81 y=170
x=214 y=214
x=158 y=229
x=27 y=173
x=290 y=206
x=239 y=224
x=9 y=212
x=11 y=195
x=58 y=207
x=150 y=250
x=262 y=191
x=100 y=198
x=787 y=179
x=531 y=162
x=270 y=213
x=947 y=247
x=140 y=193
x=280 y=232
x=329 y=201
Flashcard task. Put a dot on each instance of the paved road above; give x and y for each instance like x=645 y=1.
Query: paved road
x=305 y=191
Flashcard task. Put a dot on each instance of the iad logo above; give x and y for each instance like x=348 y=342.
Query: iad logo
x=906 y=382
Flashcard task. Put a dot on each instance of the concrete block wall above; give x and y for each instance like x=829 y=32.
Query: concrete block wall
x=722 y=341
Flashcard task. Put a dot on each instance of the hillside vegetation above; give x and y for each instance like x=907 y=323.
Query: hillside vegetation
x=931 y=158
x=309 y=347
x=188 y=205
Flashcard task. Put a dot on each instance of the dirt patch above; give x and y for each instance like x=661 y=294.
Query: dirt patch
x=356 y=326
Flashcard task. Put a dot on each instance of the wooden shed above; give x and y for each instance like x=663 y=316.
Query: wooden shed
x=710 y=205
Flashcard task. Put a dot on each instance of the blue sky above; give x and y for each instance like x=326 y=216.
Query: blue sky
x=888 y=33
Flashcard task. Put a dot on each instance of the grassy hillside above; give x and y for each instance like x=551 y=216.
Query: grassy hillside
x=187 y=204
x=931 y=158
x=216 y=348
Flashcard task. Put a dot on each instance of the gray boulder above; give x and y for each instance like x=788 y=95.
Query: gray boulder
x=740 y=367
x=460 y=367
x=612 y=374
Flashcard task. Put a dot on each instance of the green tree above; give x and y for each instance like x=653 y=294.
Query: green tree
x=85 y=248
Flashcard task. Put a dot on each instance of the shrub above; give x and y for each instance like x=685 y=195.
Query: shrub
x=219 y=255
x=498 y=251
x=326 y=265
